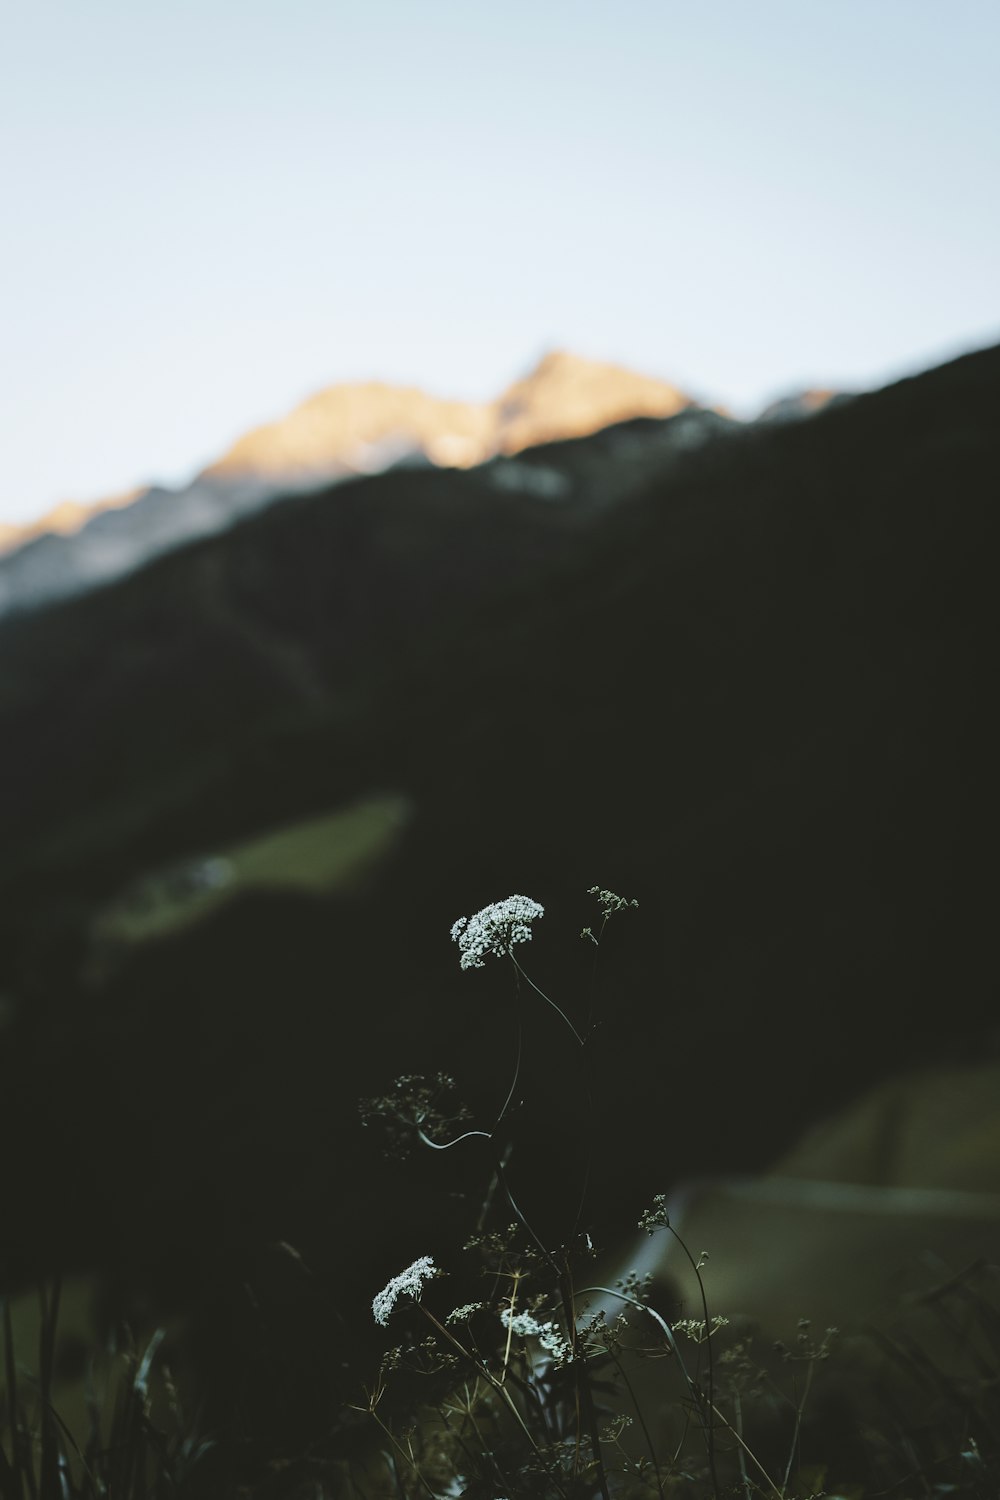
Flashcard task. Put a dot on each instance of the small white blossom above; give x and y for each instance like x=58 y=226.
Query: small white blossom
x=524 y=1326
x=464 y=1313
x=495 y=929
x=553 y=1343
x=408 y=1283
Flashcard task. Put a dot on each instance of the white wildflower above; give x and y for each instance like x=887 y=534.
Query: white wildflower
x=495 y=929
x=408 y=1283
x=524 y=1326
x=553 y=1342
x=464 y=1313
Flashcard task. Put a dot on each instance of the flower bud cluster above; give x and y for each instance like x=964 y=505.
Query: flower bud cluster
x=524 y=1326
x=495 y=929
x=408 y=1283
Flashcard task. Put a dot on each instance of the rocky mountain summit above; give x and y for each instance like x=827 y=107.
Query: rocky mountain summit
x=341 y=432
x=365 y=428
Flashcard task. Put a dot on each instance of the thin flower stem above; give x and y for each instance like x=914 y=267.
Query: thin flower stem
x=641 y=1419
x=520 y=973
x=502 y=1179
x=738 y=1408
x=481 y=1369
x=710 y=1354
x=517 y=1074
x=528 y=1387
x=510 y=1327
x=545 y=997
x=661 y=1323
x=447 y=1145
x=584 y=1394
x=748 y=1451
x=402 y=1451
x=485 y=1135
x=800 y=1407
x=494 y=1183
x=485 y=1451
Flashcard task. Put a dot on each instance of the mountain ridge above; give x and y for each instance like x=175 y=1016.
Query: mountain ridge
x=363 y=426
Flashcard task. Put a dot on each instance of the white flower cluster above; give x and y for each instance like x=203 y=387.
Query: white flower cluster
x=495 y=929
x=408 y=1283
x=464 y=1313
x=524 y=1326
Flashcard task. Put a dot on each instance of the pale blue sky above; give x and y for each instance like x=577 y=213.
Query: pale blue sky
x=213 y=208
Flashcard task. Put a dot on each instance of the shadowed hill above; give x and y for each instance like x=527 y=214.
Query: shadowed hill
x=746 y=679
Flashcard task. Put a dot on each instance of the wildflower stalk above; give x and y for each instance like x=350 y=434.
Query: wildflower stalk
x=745 y=1448
x=545 y=997
x=374 y=1396
x=799 y=1408
x=485 y=1135
x=447 y=1145
x=664 y=1327
x=510 y=1327
x=584 y=1394
x=494 y=1182
x=502 y=1179
x=738 y=1408
x=710 y=1436
x=517 y=1073
x=408 y=1457
x=699 y=1395
x=639 y=1416
x=468 y=1411
x=480 y=1369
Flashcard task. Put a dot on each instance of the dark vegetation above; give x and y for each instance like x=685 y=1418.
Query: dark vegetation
x=750 y=682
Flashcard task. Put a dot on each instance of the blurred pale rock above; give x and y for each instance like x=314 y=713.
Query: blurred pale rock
x=872 y=1205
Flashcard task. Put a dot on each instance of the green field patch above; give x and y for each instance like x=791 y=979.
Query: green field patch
x=326 y=856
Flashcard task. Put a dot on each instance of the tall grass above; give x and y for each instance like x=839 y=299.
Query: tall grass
x=127 y=1451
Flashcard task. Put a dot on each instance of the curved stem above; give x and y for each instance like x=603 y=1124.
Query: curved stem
x=481 y=1369
x=642 y=1420
x=661 y=1322
x=513 y=1203
x=799 y=1408
x=693 y=1385
x=517 y=1074
x=748 y=1451
x=709 y=1352
x=447 y=1145
x=545 y=997
x=408 y=1457
x=584 y=1394
x=486 y=1135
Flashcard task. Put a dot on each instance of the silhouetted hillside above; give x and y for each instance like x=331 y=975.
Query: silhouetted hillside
x=744 y=675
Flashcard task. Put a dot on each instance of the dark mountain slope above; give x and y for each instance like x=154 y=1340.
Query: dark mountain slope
x=748 y=682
